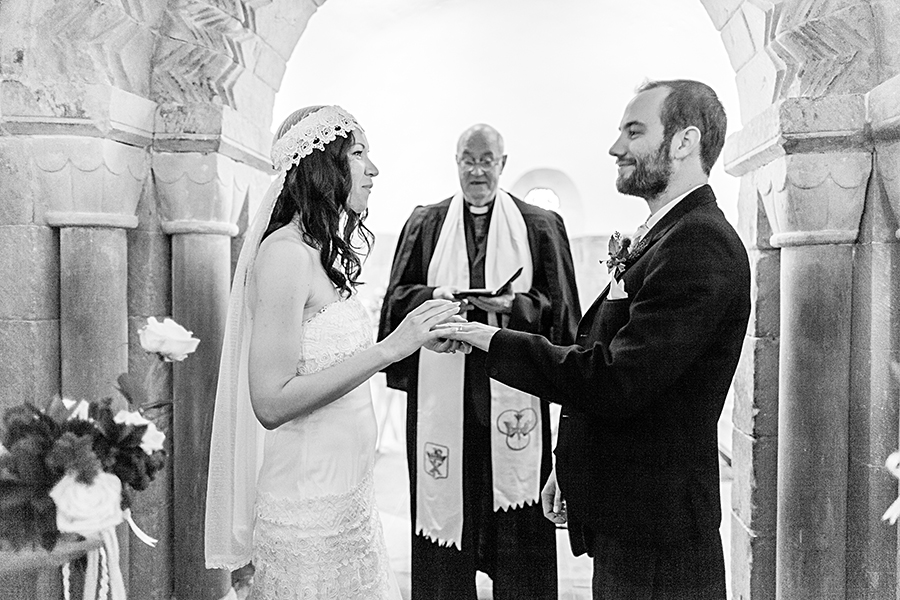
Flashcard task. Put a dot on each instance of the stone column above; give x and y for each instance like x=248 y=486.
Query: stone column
x=811 y=166
x=817 y=200
x=872 y=544
x=93 y=186
x=200 y=196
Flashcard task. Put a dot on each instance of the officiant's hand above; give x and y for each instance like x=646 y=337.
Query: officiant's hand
x=444 y=292
x=496 y=304
x=552 y=501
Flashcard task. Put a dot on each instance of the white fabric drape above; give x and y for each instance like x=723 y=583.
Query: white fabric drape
x=236 y=446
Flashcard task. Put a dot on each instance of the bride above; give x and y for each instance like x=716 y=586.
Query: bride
x=293 y=445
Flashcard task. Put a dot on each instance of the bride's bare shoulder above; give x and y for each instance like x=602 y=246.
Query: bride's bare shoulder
x=284 y=247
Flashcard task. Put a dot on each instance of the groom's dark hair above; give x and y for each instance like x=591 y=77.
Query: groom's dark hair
x=692 y=104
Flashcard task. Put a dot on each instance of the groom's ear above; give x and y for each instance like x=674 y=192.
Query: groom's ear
x=685 y=143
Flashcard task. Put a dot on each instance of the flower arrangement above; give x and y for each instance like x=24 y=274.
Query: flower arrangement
x=72 y=466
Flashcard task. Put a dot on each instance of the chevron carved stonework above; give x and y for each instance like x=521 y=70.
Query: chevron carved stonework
x=205 y=48
x=827 y=47
x=101 y=41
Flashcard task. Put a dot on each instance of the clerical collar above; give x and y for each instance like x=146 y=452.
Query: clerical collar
x=479 y=210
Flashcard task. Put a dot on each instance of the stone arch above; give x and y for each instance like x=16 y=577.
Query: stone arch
x=161 y=110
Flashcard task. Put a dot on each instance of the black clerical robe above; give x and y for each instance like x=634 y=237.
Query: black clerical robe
x=517 y=548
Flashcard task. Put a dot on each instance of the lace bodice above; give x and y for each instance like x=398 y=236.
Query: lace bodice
x=339 y=330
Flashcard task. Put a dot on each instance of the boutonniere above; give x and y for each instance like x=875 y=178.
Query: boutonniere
x=618 y=253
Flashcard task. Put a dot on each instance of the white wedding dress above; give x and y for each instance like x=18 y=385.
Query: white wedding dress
x=317 y=532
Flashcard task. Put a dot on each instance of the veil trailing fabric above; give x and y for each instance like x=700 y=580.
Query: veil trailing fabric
x=236 y=446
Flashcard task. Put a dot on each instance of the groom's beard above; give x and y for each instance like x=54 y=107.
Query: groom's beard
x=650 y=176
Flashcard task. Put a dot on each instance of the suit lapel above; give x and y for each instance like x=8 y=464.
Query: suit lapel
x=702 y=195
x=699 y=197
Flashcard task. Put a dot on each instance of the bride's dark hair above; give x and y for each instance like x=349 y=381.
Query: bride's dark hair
x=317 y=189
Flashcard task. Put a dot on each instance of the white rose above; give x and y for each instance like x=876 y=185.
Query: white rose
x=153 y=438
x=79 y=410
x=126 y=417
x=168 y=339
x=88 y=509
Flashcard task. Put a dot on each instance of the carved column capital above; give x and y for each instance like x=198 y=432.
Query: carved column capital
x=814 y=159
x=203 y=193
x=89 y=182
x=815 y=199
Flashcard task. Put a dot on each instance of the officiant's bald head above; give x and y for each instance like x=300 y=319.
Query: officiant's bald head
x=480 y=159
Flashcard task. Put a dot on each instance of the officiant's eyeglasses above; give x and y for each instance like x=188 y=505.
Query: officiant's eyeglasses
x=468 y=163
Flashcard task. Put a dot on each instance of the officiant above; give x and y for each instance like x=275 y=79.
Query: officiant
x=478 y=451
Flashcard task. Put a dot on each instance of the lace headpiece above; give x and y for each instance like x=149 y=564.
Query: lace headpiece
x=310 y=133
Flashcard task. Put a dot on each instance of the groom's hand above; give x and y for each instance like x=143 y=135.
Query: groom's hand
x=445 y=346
x=552 y=501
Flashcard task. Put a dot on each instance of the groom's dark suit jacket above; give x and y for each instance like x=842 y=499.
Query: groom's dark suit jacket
x=642 y=389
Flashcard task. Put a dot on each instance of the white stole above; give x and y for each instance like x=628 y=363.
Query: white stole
x=515 y=416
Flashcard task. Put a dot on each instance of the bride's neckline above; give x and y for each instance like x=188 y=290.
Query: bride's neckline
x=325 y=308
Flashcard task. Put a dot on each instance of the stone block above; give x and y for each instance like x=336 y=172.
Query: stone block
x=754 y=488
x=18 y=182
x=270 y=68
x=884 y=109
x=753 y=223
x=887 y=22
x=823 y=120
x=29 y=361
x=756 y=388
x=739 y=39
x=752 y=563
x=765 y=310
x=282 y=22
x=30 y=270
x=758 y=82
x=252 y=96
x=721 y=11
x=149 y=273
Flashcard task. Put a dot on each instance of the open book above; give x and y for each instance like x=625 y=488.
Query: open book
x=483 y=292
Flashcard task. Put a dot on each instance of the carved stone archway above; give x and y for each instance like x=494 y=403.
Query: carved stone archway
x=133 y=132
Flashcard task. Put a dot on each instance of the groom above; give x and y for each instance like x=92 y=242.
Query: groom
x=642 y=389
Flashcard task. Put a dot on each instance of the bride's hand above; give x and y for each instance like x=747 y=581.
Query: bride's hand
x=416 y=329
x=444 y=345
